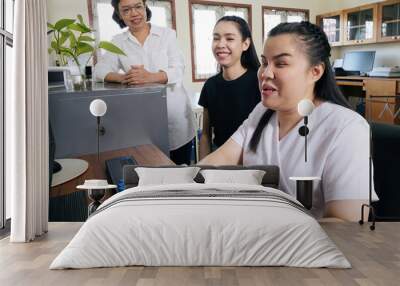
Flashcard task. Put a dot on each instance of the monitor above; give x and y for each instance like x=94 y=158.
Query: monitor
x=58 y=76
x=359 y=61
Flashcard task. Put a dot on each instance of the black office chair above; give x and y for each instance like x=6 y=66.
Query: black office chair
x=386 y=158
x=71 y=207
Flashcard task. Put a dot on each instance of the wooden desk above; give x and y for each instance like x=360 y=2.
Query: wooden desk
x=378 y=92
x=148 y=155
x=350 y=80
x=374 y=255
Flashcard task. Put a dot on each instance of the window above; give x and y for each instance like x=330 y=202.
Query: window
x=9 y=15
x=272 y=16
x=100 y=15
x=6 y=44
x=203 y=16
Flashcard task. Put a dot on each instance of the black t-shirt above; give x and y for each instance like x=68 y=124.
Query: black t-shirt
x=229 y=103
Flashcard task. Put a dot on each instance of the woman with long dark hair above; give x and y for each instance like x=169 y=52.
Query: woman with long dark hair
x=229 y=96
x=153 y=56
x=295 y=66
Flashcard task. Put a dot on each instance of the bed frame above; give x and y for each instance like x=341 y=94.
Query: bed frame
x=270 y=179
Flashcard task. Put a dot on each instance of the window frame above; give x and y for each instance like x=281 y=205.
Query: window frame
x=263 y=8
x=173 y=12
x=6 y=39
x=211 y=3
x=2 y=92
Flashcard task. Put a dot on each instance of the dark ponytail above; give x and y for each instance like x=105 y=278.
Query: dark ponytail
x=318 y=51
x=255 y=139
x=249 y=58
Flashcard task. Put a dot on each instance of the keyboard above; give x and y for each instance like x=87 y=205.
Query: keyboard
x=114 y=168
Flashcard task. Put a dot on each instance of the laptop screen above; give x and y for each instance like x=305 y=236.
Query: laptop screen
x=362 y=61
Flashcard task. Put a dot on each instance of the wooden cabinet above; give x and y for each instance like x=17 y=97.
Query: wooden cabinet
x=388 y=28
x=332 y=24
x=382 y=100
x=360 y=24
x=378 y=22
x=382 y=96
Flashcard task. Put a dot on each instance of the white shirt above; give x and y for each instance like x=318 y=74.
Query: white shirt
x=337 y=152
x=160 y=52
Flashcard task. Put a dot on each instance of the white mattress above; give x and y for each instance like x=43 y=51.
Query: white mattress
x=183 y=231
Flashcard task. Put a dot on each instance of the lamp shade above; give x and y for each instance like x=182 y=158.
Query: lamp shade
x=98 y=107
x=305 y=107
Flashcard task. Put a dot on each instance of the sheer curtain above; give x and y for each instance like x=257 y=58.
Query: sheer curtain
x=27 y=124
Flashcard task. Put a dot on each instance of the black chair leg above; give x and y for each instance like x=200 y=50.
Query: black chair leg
x=372 y=211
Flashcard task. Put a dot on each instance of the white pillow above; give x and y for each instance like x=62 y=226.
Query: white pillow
x=163 y=176
x=248 y=177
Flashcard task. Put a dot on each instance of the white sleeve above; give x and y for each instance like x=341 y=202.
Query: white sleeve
x=346 y=171
x=176 y=64
x=107 y=63
x=249 y=125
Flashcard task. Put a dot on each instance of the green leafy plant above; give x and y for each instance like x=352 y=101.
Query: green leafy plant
x=72 y=38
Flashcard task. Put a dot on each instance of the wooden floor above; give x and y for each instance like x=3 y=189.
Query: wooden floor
x=374 y=255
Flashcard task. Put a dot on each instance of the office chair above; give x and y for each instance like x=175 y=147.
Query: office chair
x=71 y=207
x=386 y=158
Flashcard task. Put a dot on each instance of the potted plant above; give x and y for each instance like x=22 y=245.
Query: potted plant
x=72 y=38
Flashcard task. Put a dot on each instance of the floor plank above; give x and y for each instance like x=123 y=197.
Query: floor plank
x=374 y=255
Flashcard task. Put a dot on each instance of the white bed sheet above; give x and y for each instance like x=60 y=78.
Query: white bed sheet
x=200 y=231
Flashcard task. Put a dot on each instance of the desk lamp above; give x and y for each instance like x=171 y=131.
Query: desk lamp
x=305 y=108
x=98 y=108
x=304 y=185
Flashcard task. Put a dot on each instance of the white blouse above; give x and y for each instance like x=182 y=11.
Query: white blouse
x=160 y=52
x=337 y=152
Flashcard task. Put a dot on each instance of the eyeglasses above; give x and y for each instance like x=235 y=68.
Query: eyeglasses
x=126 y=10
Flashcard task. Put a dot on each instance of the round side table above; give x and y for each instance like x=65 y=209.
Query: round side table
x=96 y=190
x=304 y=190
x=95 y=195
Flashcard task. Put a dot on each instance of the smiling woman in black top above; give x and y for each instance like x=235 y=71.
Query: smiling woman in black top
x=230 y=96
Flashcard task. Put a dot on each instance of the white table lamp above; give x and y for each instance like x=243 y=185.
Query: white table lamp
x=305 y=107
x=304 y=185
x=98 y=108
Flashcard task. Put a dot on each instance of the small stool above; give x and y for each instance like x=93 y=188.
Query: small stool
x=96 y=191
x=304 y=190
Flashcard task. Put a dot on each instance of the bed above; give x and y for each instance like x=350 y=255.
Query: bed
x=201 y=224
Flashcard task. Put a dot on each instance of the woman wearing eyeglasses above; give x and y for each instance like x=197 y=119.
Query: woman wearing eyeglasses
x=153 y=56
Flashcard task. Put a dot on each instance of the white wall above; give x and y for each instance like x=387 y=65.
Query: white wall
x=330 y=6
x=385 y=52
x=57 y=9
x=183 y=28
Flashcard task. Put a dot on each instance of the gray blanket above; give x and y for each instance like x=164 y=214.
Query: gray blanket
x=207 y=194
